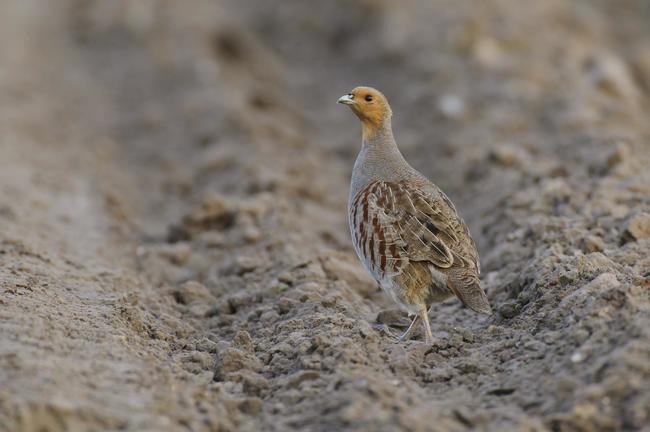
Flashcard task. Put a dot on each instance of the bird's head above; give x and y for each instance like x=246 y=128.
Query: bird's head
x=370 y=105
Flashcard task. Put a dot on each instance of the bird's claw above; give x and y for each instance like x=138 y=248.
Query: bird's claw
x=385 y=329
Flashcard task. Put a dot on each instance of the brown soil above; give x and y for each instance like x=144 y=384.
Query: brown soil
x=174 y=250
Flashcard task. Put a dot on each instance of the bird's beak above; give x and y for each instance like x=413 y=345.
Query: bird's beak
x=346 y=100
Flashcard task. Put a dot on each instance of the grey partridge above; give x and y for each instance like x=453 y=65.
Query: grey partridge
x=405 y=230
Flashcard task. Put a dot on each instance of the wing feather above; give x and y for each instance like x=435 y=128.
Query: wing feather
x=423 y=225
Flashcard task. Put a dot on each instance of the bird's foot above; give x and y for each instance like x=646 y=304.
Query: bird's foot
x=383 y=328
x=406 y=336
x=388 y=331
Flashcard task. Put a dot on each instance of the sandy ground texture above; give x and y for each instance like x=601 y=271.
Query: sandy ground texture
x=174 y=250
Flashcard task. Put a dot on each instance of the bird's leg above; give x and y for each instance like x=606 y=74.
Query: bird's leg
x=407 y=334
x=424 y=313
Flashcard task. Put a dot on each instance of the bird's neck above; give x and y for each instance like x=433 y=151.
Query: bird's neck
x=379 y=159
x=378 y=138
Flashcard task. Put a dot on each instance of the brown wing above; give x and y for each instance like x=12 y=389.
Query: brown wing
x=401 y=229
x=401 y=222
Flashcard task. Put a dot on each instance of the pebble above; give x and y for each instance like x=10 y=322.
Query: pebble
x=234 y=360
x=243 y=341
x=214 y=211
x=269 y=317
x=451 y=106
x=577 y=357
x=620 y=154
x=206 y=345
x=285 y=305
x=509 y=309
x=609 y=73
x=253 y=383
x=329 y=301
x=393 y=318
x=347 y=268
x=242 y=265
x=593 y=243
x=191 y=292
x=299 y=377
x=251 y=406
x=637 y=227
x=506 y=155
x=177 y=253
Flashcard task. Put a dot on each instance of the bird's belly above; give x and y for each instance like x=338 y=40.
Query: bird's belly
x=389 y=285
x=394 y=291
x=438 y=291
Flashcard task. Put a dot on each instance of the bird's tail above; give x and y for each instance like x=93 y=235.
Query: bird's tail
x=467 y=288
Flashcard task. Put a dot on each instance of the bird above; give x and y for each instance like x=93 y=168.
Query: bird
x=406 y=232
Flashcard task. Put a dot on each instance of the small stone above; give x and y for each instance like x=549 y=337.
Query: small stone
x=506 y=155
x=6 y=212
x=199 y=310
x=212 y=239
x=176 y=253
x=193 y=291
x=236 y=303
x=214 y=211
x=581 y=335
x=234 y=360
x=251 y=234
x=555 y=190
x=466 y=334
x=593 y=243
x=456 y=341
x=591 y=290
x=269 y=317
x=285 y=305
x=640 y=63
x=611 y=75
x=619 y=155
x=509 y=309
x=202 y=359
x=451 y=106
x=253 y=383
x=344 y=267
x=243 y=341
x=637 y=228
x=365 y=329
x=488 y=52
x=242 y=265
x=534 y=345
x=329 y=301
x=286 y=278
x=206 y=345
x=577 y=357
x=251 y=406
x=469 y=365
x=299 y=377
x=393 y=318
x=438 y=374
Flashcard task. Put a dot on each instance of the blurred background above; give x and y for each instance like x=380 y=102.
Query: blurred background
x=150 y=144
x=474 y=85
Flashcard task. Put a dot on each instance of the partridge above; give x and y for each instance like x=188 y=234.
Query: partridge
x=405 y=230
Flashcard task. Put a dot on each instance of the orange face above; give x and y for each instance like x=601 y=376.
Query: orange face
x=369 y=104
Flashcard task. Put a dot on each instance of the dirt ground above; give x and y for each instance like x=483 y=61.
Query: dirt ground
x=174 y=249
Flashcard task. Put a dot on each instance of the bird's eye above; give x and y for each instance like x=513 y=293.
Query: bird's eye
x=368 y=98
